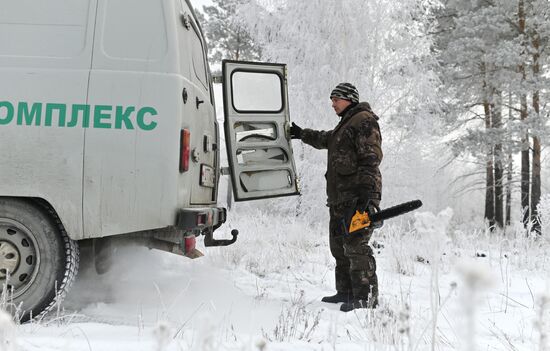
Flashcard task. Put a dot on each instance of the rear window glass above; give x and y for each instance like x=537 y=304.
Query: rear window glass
x=199 y=65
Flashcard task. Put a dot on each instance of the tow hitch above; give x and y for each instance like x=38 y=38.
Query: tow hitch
x=210 y=241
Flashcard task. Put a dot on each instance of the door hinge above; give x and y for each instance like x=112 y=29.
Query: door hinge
x=225 y=171
x=207 y=144
x=184 y=95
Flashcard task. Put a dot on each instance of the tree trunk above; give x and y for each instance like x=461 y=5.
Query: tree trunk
x=535 y=184
x=238 y=47
x=525 y=182
x=490 y=179
x=496 y=115
x=525 y=205
x=509 y=170
x=535 y=176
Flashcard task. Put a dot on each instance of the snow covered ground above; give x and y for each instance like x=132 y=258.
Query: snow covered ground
x=441 y=289
x=443 y=286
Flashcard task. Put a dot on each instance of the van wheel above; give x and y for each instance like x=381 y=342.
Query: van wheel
x=38 y=261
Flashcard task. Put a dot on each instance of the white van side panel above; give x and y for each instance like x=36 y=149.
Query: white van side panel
x=44 y=162
x=130 y=175
x=131 y=171
x=53 y=33
x=120 y=78
x=138 y=38
x=45 y=57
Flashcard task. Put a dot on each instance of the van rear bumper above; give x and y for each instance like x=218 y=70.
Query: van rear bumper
x=196 y=220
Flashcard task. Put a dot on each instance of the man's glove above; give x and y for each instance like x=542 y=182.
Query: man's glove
x=295 y=131
x=366 y=200
x=362 y=204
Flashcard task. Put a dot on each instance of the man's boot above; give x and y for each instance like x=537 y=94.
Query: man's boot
x=359 y=303
x=365 y=294
x=339 y=297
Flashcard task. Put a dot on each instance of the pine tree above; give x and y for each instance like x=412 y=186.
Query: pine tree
x=474 y=47
x=538 y=33
x=490 y=49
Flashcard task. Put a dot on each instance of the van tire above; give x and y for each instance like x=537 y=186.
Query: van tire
x=41 y=258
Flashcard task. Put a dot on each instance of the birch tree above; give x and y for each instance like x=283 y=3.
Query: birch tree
x=380 y=46
x=227 y=37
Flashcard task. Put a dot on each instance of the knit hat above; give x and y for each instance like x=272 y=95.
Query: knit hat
x=345 y=91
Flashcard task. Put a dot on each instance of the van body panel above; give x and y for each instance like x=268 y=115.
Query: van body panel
x=45 y=58
x=94 y=96
x=136 y=38
x=54 y=34
x=40 y=161
x=130 y=175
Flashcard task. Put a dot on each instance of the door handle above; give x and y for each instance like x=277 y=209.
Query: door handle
x=199 y=101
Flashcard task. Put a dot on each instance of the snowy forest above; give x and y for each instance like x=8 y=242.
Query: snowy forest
x=463 y=80
x=461 y=89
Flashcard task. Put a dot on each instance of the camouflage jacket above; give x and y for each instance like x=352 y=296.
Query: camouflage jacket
x=354 y=155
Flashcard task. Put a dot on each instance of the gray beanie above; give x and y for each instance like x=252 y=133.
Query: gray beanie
x=345 y=91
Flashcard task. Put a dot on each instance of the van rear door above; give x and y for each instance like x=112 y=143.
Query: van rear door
x=256 y=122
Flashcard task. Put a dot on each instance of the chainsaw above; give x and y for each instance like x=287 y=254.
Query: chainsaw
x=365 y=219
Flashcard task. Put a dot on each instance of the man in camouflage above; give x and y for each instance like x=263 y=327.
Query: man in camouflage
x=353 y=182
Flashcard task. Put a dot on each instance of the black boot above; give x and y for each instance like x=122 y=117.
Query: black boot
x=358 y=303
x=339 y=297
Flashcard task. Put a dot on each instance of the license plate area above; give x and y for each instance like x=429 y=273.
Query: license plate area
x=208 y=176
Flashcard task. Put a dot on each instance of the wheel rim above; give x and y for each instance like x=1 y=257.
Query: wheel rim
x=19 y=259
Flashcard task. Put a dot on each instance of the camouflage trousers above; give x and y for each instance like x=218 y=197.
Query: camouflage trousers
x=355 y=264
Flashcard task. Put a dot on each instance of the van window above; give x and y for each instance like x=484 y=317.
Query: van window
x=257 y=91
x=199 y=65
x=134 y=32
x=53 y=28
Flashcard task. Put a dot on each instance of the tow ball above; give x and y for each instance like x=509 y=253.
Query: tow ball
x=210 y=241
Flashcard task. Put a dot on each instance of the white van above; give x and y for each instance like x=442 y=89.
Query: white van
x=108 y=130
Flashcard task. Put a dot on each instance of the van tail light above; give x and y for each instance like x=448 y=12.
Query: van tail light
x=189 y=243
x=185 y=146
x=190 y=249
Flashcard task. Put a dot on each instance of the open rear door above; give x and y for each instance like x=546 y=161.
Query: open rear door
x=256 y=122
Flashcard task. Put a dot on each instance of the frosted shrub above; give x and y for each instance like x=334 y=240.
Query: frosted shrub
x=7 y=332
x=162 y=334
x=423 y=243
x=400 y=242
x=387 y=325
x=270 y=243
x=544 y=214
x=6 y=304
x=433 y=230
x=208 y=335
x=295 y=322
x=475 y=279
x=543 y=321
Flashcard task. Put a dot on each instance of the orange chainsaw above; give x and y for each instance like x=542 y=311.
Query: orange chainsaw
x=365 y=219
